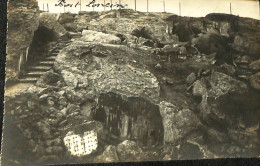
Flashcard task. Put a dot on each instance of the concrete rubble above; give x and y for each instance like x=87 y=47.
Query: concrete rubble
x=139 y=87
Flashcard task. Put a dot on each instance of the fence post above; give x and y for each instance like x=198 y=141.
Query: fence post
x=230 y=8
x=179 y=8
x=147 y=6
x=80 y=6
x=135 y=5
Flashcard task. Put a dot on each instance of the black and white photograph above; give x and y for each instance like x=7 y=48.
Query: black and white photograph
x=115 y=81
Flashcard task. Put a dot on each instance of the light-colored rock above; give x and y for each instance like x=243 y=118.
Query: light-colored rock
x=255 y=81
x=199 y=88
x=225 y=28
x=191 y=78
x=255 y=65
x=222 y=84
x=109 y=155
x=129 y=151
x=182 y=50
x=99 y=37
x=69 y=78
x=158 y=66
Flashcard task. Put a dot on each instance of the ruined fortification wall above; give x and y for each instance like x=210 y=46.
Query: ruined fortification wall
x=23 y=20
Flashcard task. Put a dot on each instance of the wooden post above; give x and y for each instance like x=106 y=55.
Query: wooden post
x=43 y=6
x=164 y=6
x=111 y=4
x=135 y=5
x=104 y=5
x=48 y=7
x=230 y=8
x=80 y=6
x=179 y=8
x=147 y=6
x=64 y=8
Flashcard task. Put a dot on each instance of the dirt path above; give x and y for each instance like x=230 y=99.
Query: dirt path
x=16 y=89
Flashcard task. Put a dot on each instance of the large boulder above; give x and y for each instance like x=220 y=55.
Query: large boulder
x=218 y=84
x=210 y=42
x=94 y=69
x=255 y=81
x=225 y=105
x=183 y=31
x=129 y=151
x=222 y=84
x=50 y=21
x=213 y=90
x=177 y=123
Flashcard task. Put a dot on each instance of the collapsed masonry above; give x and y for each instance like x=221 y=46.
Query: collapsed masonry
x=108 y=98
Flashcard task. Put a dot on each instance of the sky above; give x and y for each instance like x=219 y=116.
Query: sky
x=195 y=8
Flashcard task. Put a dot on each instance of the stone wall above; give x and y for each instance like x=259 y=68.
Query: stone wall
x=241 y=33
x=23 y=20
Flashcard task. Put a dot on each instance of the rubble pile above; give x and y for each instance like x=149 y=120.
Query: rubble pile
x=128 y=91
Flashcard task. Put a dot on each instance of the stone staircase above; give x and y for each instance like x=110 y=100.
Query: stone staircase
x=243 y=71
x=44 y=64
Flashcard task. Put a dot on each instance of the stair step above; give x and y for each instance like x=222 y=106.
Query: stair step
x=243 y=77
x=54 y=54
x=242 y=63
x=243 y=72
x=60 y=47
x=50 y=58
x=40 y=68
x=28 y=80
x=34 y=74
x=57 y=51
x=18 y=102
x=243 y=66
x=65 y=42
x=76 y=37
x=46 y=63
x=74 y=33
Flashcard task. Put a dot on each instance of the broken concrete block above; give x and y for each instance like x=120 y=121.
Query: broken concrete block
x=81 y=146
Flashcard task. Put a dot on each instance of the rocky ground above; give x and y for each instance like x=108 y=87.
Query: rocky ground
x=151 y=85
